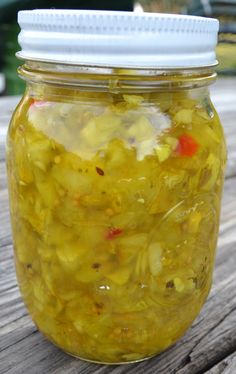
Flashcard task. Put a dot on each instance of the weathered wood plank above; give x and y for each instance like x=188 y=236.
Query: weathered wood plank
x=226 y=366
x=211 y=338
x=223 y=95
x=209 y=345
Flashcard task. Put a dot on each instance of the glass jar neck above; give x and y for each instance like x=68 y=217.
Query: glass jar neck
x=116 y=80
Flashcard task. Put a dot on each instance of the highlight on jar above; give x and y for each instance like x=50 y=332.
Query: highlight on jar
x=115 y=168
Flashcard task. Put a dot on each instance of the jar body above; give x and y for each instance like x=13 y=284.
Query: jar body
x=115 y=203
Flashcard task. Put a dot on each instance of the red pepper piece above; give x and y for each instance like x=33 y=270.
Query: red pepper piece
x=39 y=103
x=113 y=232
x=31 y=102
x=187 y=146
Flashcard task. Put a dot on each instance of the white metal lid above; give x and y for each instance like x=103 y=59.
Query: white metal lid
x=117 y=39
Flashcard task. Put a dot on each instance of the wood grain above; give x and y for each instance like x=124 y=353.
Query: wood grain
x=226 y=366
x=209 y=346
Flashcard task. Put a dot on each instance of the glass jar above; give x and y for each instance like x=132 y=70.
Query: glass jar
x=115 y=179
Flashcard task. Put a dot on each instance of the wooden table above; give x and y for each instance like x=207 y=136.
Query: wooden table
x=209 y=346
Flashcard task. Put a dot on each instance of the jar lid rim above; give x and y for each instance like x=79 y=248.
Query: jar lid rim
x=117 y=39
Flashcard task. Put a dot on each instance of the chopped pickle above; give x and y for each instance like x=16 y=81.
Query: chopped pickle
x=115 y=206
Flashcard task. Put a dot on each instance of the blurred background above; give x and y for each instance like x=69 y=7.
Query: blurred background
x=224 y=10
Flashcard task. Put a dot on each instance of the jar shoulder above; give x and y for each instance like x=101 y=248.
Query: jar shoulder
x=98 y=117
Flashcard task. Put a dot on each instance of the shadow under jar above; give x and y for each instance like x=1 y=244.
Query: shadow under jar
x=115 y=178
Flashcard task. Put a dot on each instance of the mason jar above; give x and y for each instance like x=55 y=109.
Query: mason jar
x=116 y=161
